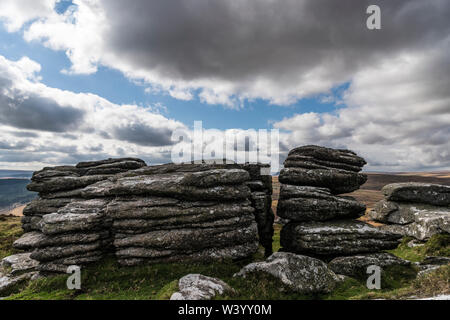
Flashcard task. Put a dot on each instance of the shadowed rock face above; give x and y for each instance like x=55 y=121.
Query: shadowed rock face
x=333 y=238
x=316 y=204
x=419 y=210
x=337 y=180
x=146 y=214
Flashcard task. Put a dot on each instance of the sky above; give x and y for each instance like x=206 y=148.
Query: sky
x=91 y=79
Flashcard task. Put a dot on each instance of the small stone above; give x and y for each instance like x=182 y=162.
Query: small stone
x=200 y=287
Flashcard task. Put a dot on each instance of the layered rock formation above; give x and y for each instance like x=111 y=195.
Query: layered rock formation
x=419 y=210
x=319 y=222
x=146 y=213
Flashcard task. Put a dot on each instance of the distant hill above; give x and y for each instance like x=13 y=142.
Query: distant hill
x=13 y=193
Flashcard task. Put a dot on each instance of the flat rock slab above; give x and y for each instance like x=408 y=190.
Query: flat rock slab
x=354 y=266
x=334 y=238
x=178 y=185
x=427 y=193
x=191 y=239
x=35 y=239
x=200 y=287
x=19 y=264
x=139 y=256
x=328 y=154
x=403 y=212
x=302 y=274
x=425 y=225
x=337 y=180
x=299 y=203
x=168 y=208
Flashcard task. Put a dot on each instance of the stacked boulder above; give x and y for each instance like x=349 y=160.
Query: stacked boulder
x=163 y=213
x=173 y=213
x=418 y=210
x=318 y=221
x=62 y=227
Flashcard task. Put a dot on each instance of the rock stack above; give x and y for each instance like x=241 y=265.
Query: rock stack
x=172 y=213
x=144 y=213
x=62 y=227
x=319 y=222
x=418 y=210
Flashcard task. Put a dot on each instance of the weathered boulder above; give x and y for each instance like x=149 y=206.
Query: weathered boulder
x=8 y=283
x=334 y=238
x=191 y=239
x=300 y=273
x=356 y=266
x=300 y=203
x=337 y=180
x=146 y=214
x=61 y=178
x=137 y=256
x=425 y=225
x=413 y=209
x=18 y=264
x=328 y=154
x=176 y=185
x=35 y=239
x=200 y=287
x=426 y=193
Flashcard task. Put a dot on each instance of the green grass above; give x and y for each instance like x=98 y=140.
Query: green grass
x=107 y=280
x=437 y=245
x=276 y=237
x=10 y=231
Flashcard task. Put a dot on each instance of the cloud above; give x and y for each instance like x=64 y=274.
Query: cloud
x=394 y=111
x=227 y=52
x=397 y=114
x=66 y=127
x=143 y=135
x=17 y=12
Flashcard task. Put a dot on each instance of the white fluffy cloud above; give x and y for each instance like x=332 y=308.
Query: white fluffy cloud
x=397 y=114
x=395 y=111
x=42 y=125
x=229 y=52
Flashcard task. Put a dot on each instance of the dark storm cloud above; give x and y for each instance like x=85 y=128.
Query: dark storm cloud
x=24 y=134
x=143 y=134
x=243 y=40
x=37 y=113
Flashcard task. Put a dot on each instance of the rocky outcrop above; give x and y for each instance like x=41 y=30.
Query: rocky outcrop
x=302 y=274
x=356 y=266
x=317 y=221
x=200 y=287
x=417 y=210
x=145 y=213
